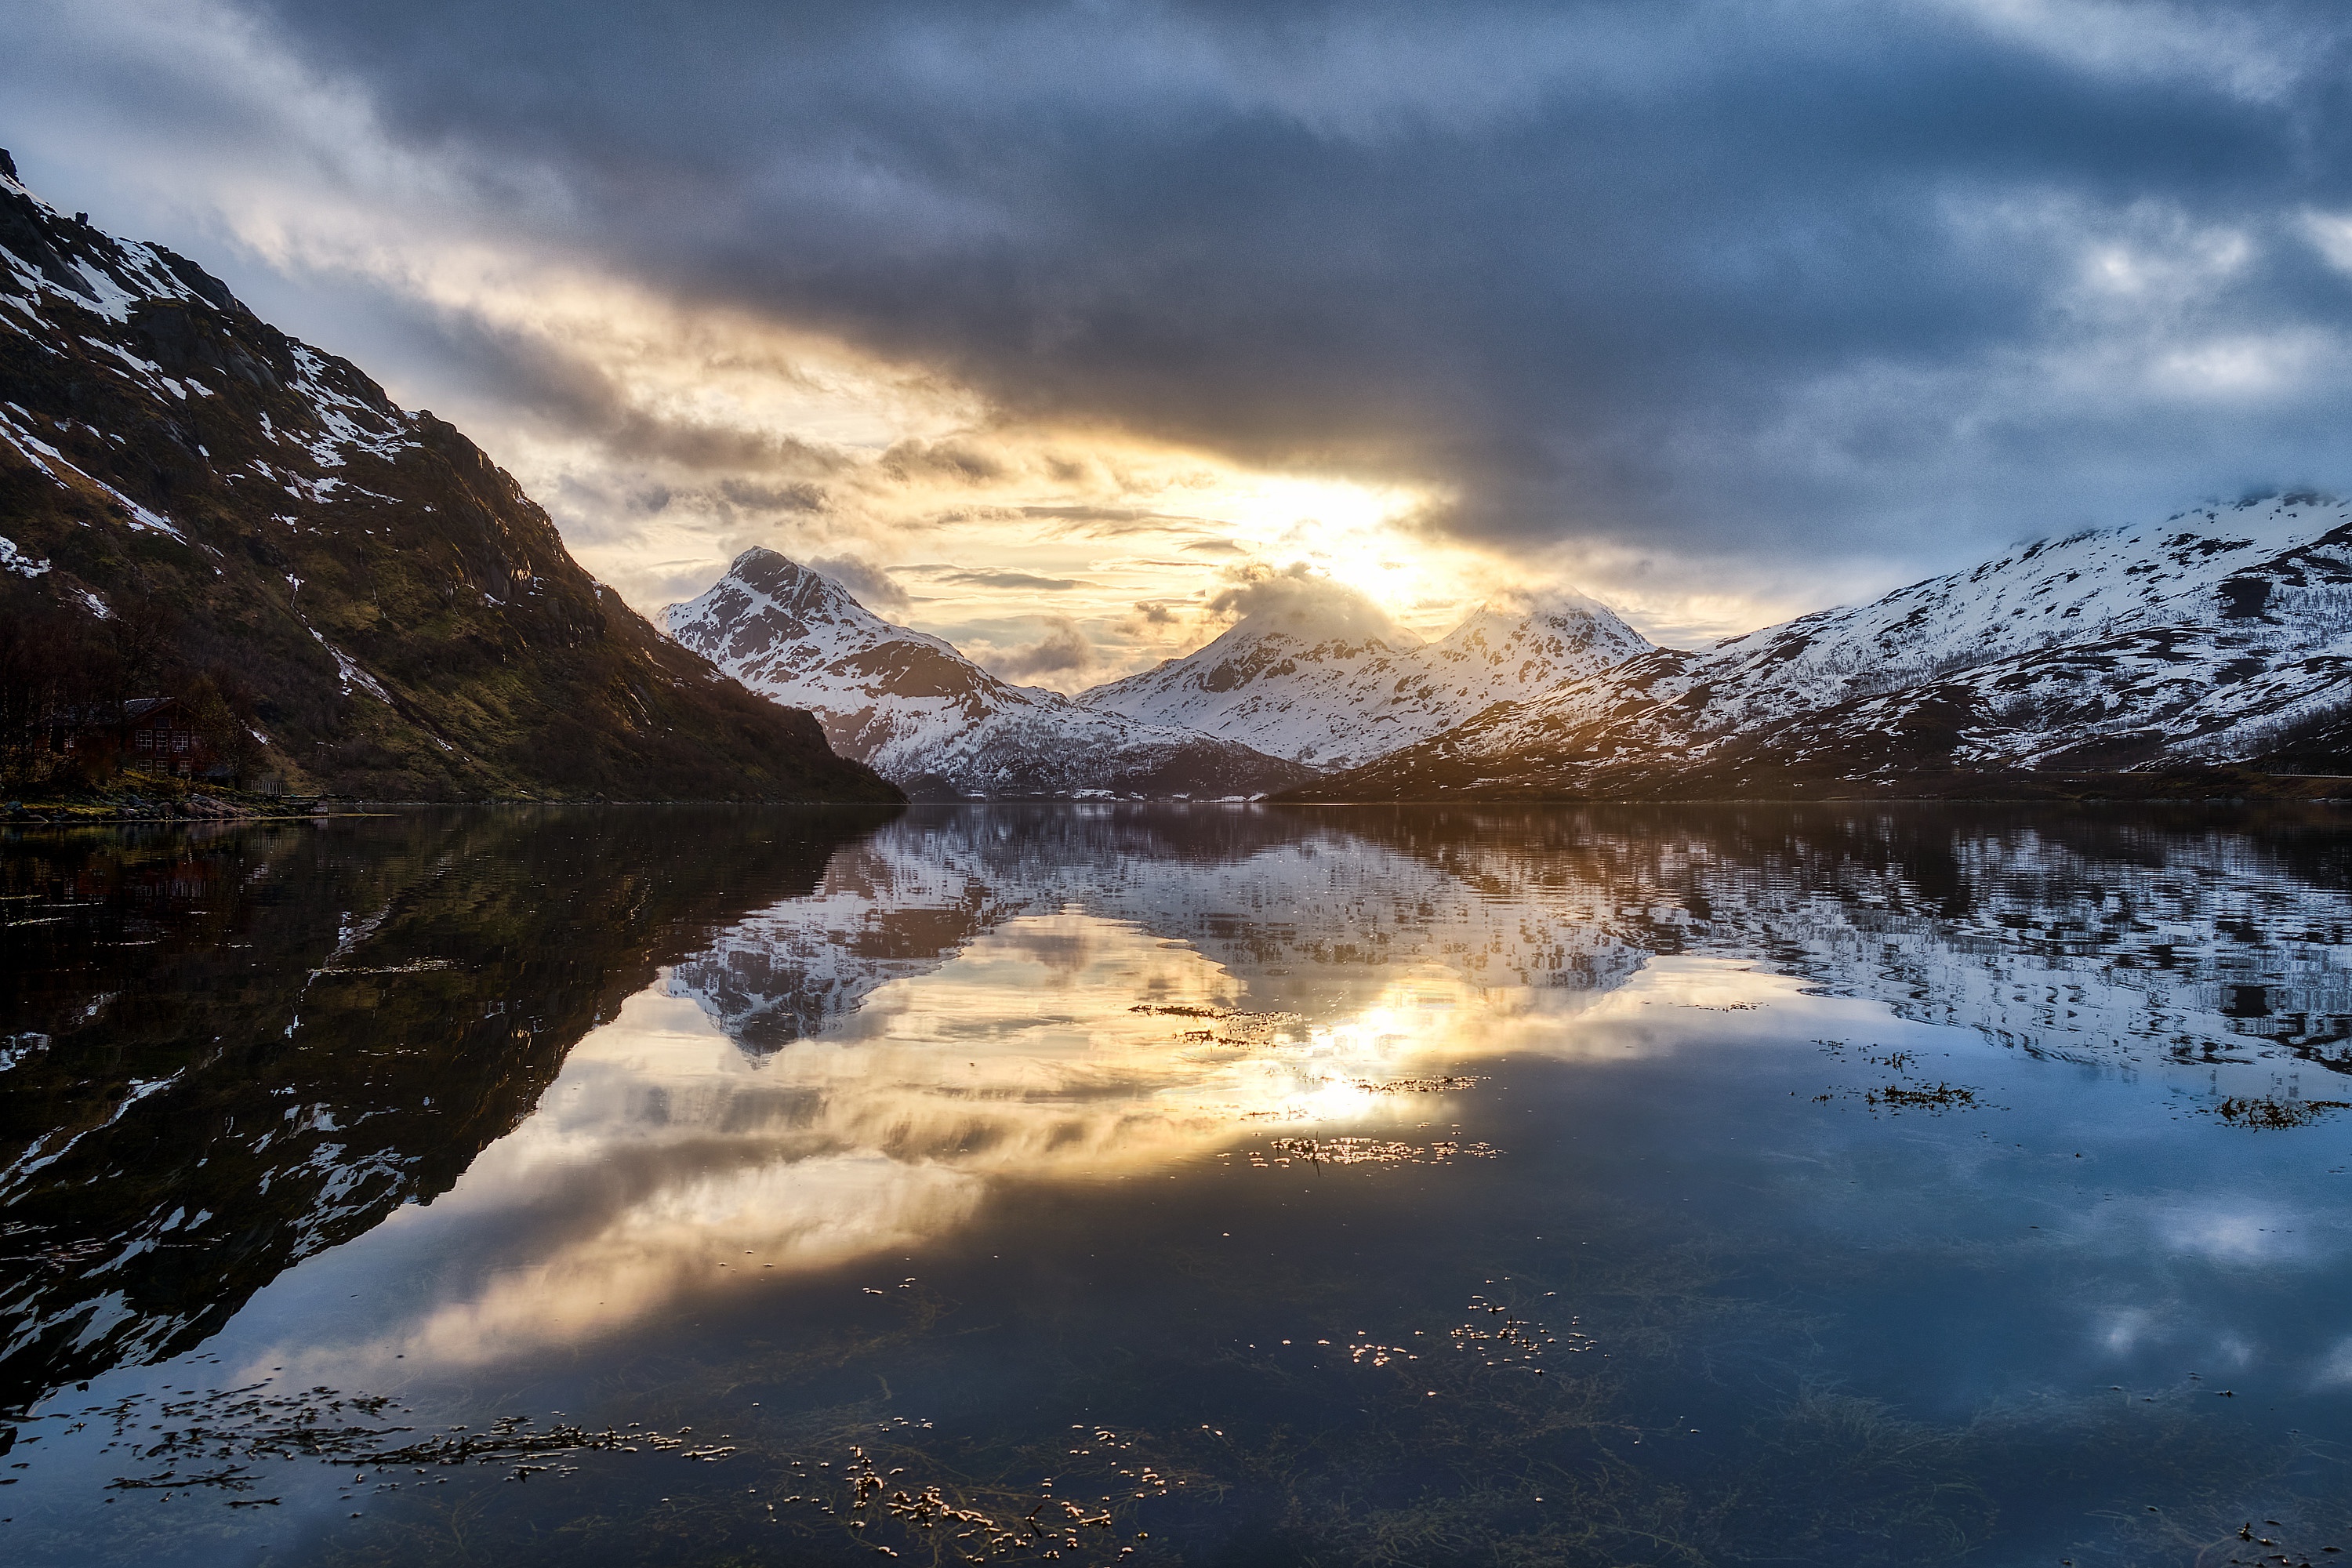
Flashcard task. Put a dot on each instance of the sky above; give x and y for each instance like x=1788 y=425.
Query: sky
x=1063 y=330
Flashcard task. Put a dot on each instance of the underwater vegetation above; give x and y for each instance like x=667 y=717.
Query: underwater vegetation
x=2274 y=1111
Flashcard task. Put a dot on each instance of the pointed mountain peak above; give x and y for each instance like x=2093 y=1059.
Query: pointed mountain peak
x=760 y=558
x=802 y=593
x=1555 y=603
x=1557 y=615
x=778 y=576
x=917 y=710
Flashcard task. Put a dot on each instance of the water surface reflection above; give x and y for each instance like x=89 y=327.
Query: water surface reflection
x=1849 y=1182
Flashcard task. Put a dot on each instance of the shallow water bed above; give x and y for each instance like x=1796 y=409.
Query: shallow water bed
x=1158 y=1185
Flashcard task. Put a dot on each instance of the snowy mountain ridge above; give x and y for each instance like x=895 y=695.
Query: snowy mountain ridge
x=925 y=717
x=2090 y=585
x=1329 y=681
x=2216 y=635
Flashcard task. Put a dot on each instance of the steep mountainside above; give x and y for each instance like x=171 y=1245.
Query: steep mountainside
x=1336 y=683
x=929 y=719
x=2217 y=637
x=187 y=495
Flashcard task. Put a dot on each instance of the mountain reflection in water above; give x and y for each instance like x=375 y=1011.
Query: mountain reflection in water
x=553 y=1096
x=234 y=1048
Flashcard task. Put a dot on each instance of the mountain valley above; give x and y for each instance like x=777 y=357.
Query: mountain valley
x=365 y=604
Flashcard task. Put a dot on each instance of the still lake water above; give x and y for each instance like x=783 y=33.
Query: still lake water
x=1211 y=1185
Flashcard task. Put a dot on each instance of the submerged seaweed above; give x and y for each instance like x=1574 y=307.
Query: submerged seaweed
x=961 y=1520
x=217 y=1439
x=2274 y=1110
x=1350 y=1151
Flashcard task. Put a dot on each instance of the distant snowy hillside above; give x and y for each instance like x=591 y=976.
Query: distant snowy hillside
x=929 y=719
x=2220 y=635
x=1329 y=679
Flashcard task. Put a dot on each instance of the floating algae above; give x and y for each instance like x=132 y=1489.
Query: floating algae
x=218 y=1440
x=1915 y=1095
x=2270 y=1110
x=1935 y=1097
x=1231 y=1026
x=1898 y=1097
x=1053 y=1520
x=1416 y=1085
x=1353 y=1150
x=1513 y=1340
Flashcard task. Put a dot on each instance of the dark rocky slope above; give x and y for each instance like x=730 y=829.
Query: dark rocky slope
x=190 y=501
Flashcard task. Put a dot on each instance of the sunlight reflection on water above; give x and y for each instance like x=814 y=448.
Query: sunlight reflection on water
x=1024 y=1056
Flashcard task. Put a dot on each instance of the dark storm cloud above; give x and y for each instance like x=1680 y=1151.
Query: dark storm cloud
x=529 y=374
x=772 y=498
x=1720 y=276
x=954 y=462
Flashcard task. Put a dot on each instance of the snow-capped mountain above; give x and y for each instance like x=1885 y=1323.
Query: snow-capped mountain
x=1328 y=679
x=922 y=715
x=2219 y=636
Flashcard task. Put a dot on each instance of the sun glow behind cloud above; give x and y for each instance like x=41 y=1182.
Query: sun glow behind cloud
x=713 y=432
x=666 y=432
x=683 y=435
x=671 y=437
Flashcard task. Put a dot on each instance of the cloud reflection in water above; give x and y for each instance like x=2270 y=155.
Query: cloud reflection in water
x=667 y=1161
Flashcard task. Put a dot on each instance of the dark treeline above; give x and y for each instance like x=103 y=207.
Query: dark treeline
x=68 y=675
